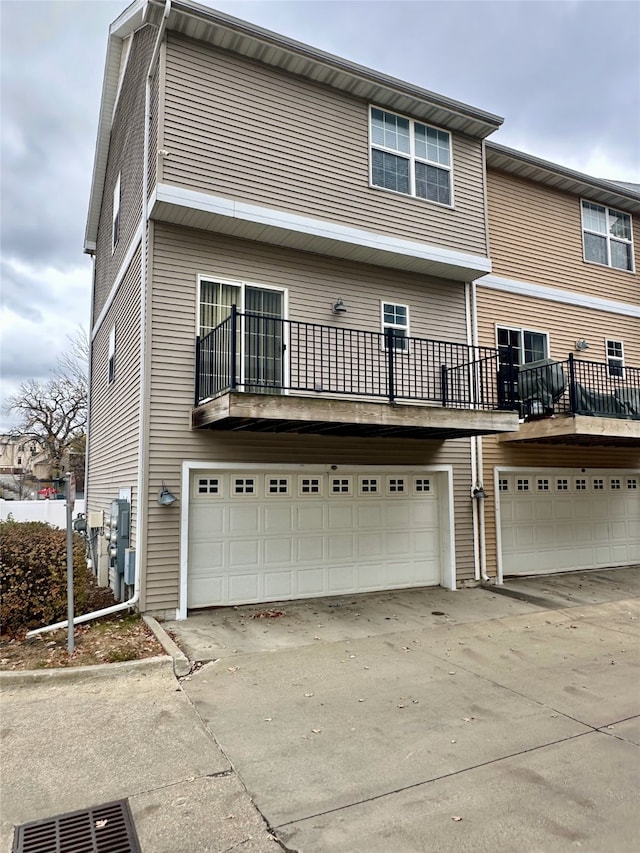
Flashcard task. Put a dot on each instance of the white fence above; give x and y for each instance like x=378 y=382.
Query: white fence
x=53 y=512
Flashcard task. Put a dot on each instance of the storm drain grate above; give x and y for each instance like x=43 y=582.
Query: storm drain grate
x=102 y=829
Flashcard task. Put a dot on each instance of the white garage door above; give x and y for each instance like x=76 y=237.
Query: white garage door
x=272 y=535
x=559 y=520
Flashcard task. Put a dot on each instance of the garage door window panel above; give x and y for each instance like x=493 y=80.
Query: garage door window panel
x=369 y=486
x=341 y=486
x=277 y=486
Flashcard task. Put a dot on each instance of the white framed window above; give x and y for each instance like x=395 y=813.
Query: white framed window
x=543 y=484
x=581 y=484
x=410 y=157
x=112 y=355
x=503 y=484
x=115 y=224
x=420 y=484
x=607 y=236
x=522 y=485
x=615 y=358
x=528 y=345
x=395 y=321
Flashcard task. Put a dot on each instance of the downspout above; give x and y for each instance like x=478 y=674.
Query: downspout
x=91 y=561
x=473 y=450
x=484 y=577
x=477 y=468
x=141 y=519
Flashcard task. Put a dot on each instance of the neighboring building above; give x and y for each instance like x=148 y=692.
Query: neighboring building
x=565 y=488
x=328 y=445
x=24 y=467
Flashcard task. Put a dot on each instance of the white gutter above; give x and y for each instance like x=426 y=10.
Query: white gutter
x=141 y=518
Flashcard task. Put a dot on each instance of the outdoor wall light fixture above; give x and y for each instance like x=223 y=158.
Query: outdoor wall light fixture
x=479 y=493
x=582 y=345
x=339 y=307
x=165 y=497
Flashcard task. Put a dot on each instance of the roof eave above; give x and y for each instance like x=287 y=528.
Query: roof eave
x=271 y=48
x=131 y=19
x=561 y=178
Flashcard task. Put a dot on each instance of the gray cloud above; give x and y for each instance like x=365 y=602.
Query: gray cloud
x=564 y=74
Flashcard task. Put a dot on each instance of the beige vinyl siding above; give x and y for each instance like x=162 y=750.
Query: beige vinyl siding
x=246 y=131
x=437 y=308
x=154 y=131
x=125 y=159
x=536 y=236
x=565 y=325
x=113 y=433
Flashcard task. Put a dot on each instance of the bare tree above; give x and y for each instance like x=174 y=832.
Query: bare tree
x=55 y=412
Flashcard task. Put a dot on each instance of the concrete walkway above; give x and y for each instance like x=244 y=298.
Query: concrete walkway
x=398 y=723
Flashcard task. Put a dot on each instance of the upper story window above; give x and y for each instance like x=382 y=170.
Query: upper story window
x=395 y=322
x=411 y=158
x=527 y=346
x=607 y=236
x=115 y=230
x=615 y=358
x=112 y=355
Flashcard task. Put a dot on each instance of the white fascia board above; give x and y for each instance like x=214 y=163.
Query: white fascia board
x=132 y=18
x=309 y=226
x=555 y=294
x=124 y=267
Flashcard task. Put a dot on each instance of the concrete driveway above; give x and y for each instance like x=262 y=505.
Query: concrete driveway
x=427 y=720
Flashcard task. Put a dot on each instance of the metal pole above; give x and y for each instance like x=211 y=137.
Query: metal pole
x=70 y=608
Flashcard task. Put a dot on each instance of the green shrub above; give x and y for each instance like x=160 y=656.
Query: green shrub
x=33 y=577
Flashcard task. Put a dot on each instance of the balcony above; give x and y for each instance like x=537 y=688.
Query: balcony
x=266 y=374
x=578 y=402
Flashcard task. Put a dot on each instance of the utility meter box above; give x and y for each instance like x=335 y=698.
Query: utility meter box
x=129 y=566
x=116 y=531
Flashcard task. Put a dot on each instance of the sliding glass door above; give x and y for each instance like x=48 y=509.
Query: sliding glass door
x=259 y=341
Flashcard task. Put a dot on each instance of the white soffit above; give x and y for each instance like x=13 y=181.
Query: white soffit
x=556 y=294
x=192 y=209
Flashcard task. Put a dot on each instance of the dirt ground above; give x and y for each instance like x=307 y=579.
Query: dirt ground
x=119 y=639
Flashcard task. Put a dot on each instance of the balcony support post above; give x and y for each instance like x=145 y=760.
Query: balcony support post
x=390 y=344
x=233 y=349
x=573 y=395
x=198 y=369
x=444 y=385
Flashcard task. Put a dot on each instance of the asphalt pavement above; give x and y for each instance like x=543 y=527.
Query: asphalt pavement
x=406 y=722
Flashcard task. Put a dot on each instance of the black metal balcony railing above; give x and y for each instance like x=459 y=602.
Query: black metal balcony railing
x=579 y=387
x=259 y=354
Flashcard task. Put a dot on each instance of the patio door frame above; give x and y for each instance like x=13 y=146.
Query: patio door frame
x=241 y=286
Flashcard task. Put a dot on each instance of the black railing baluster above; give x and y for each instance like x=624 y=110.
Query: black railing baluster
x=573 y=391
x=443 y=383
x=389 y=343
x=233 y=350
x=271 y=354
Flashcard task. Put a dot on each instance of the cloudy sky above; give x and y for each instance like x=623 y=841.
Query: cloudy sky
x=565 y=74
